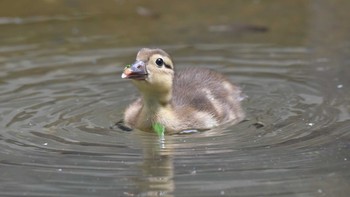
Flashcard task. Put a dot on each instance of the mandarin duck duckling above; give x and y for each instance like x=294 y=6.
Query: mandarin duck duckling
x=192 y=98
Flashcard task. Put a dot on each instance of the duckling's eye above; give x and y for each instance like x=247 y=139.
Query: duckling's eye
x=159 y=62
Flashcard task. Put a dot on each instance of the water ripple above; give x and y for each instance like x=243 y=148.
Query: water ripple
x=56 y=112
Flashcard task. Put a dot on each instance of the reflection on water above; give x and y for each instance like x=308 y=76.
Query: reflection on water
x=60 y=93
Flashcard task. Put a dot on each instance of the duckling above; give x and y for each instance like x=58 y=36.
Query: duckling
x=191 y=98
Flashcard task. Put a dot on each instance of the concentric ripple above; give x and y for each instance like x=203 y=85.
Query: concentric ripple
x=56 y=110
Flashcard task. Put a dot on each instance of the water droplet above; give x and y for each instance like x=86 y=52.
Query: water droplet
x=340 y=86
x=345 y=159
x=319 y=191
x=311 y=124
x=45 y=144
x=193 y=172
x=60 y=170
x=222 y=193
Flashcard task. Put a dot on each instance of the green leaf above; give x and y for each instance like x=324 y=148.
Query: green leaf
x=127 y=66
x=158 y=128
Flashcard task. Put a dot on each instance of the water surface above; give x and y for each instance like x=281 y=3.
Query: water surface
x=60 y=91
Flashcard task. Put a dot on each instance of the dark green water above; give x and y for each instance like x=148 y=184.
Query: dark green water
x=60 y=91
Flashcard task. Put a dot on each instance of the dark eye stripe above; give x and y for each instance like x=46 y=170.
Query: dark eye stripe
x=167 y=66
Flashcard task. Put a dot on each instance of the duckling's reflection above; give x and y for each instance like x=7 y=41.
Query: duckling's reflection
x=157 y=166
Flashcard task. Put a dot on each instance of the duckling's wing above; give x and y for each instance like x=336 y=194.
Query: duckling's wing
x=208 y=91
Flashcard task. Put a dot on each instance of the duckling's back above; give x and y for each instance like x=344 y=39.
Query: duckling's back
x=206 y=91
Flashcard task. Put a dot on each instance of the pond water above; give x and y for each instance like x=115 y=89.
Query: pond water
x=61 y=90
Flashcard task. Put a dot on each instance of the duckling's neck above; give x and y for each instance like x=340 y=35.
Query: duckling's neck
x=155 y=101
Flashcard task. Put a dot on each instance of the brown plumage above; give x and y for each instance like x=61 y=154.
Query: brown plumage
x=191 y=98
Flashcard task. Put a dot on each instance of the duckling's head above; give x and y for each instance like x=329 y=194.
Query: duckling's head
x=152 y=73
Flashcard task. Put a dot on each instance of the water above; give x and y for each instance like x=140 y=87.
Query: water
x=60 y=91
